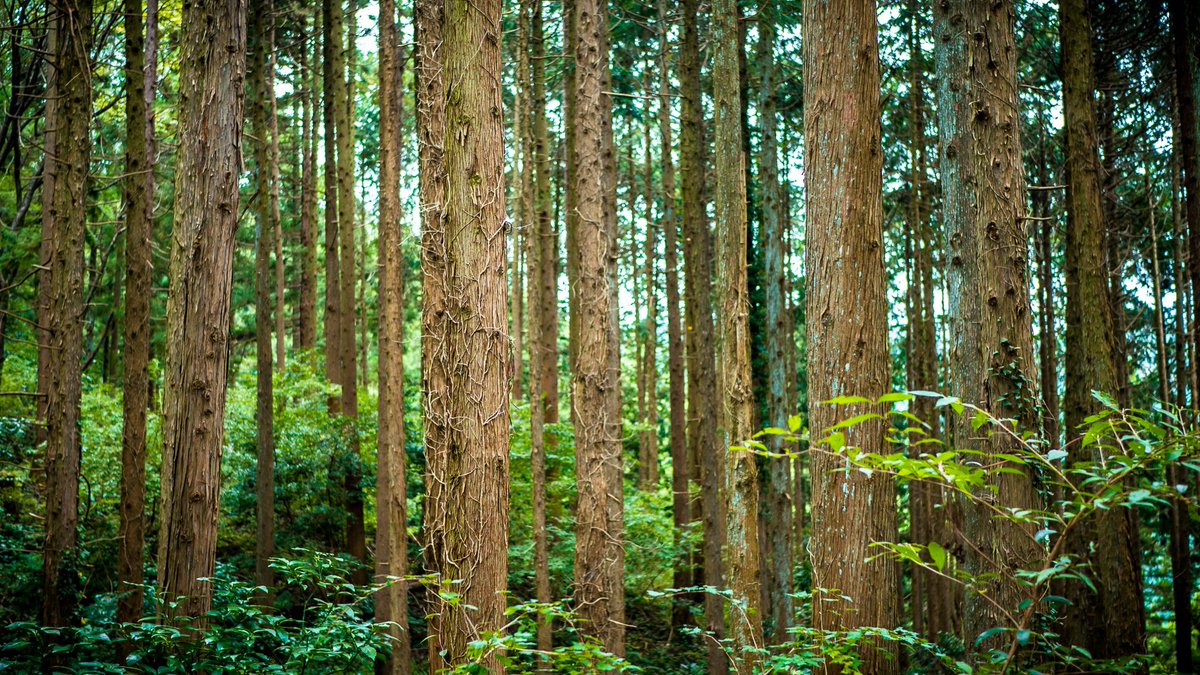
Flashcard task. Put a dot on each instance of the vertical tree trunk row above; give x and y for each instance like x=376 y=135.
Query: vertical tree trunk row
x=1108 y=543
x=141 y=48
x=846 y=297
x=266 y=216
x=202 y=242
x=391 y=534
x=595 y=394
x=64 y=209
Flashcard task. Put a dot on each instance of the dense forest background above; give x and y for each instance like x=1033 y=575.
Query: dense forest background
x=473 y=336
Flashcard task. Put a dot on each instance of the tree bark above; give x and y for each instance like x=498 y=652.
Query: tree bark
x=1111 y=622
x=212 y=68
x=599 y=529
x=736 y=412
x=64 y=209
x=308 y=196
x=391 y=540
x=701 y=358
x=467 y=361
x=984 y=214
x=847 y=313
x=332 y=70
x=141 y=50
x=648 y=437
x=543 y=314
x=677 y=430
x=780 y=343
x=344 y=102
x=265 y=216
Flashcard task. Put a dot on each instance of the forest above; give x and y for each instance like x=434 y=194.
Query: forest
x=577 y=336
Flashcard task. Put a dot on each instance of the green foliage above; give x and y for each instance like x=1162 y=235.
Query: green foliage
x=1128 y=452
x=328 y=630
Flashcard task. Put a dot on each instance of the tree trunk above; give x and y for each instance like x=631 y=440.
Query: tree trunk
x=984 y=214
x=599 y=535
x=543 y=315
x=467 y=361
x=1183 y=25
x=308 y=197
x=936 y=601
x=701 y=358
x=391 y=541
x=846 y=298
x=212 y=67
x=677 y=432
x=1111 y=622
x=736 y=412
x=1183 y=576
x=648 y=437
x=343 y=90
x=780 y=343
x=64 y=208
x=332 y=80
x=266 y=163
x=141 y=50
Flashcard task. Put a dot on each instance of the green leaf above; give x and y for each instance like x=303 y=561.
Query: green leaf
x=938 y=555
x=794 y=423
x=895 y=397
x=847 y=400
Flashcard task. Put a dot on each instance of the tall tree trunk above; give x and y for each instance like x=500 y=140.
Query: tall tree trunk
x=431 y=121
x=936 y=601
x=332 y=80
x=463 y=265
x=64 y=209
x=701 y=359
x=1183 y=24
x=1047 y=324
x=262 y=94
x=141 y=51
x=212 y=67
x=648 y=437
x=308 y=195
x=984 y=214
x=543 y=317
x=280 y=263
x=391 y=541
x=1109 y=623
x=772 y=241
x=1182 y=574
x=847 y=312
x=599 y=528
x=736 y=412
x=677 y=432
x=344 y=105
x=1178 y=233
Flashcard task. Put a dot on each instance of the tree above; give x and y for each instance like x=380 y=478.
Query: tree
x=988 y=273
x=543 y=310
x=677 y=429
x=780 y=344
x=1110 y=623
x=466 y=361
x=343 y=106
x=308 y=195
x=599 y=553
x=266 y=216
x=846 y=309
x=332 y=82
x=141 y=56
x=701 y=358
x=64 y=209
x=206 y=198
x=736 y=412
x=391 y=540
